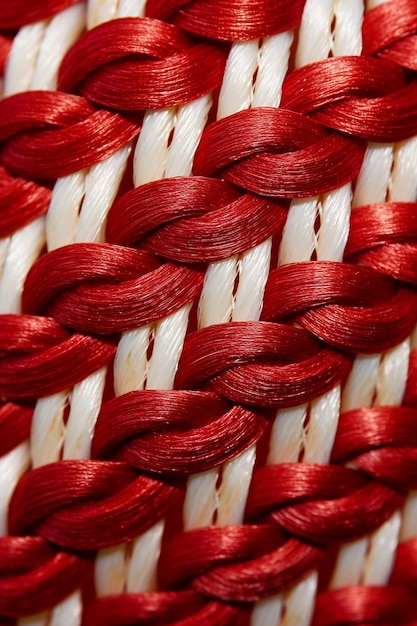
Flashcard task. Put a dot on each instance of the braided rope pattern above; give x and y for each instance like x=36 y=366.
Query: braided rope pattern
x=208 y=354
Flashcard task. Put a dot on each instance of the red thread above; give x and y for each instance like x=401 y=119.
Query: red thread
x=275 y=152
x=398 y=260
x=180 y=608
x=396 y=467
x=320 y=503
x=71 y=265
x=87 y=505
x=21 y=202
x=278 y=485
x=329 y=81
x=382 y=442
x=106 y=289
x=342 y=519
x=80 y=135
x=260 y=363
x=20 y=334
x=5 y=45
x=15 y=421
x=390 y=118
x=114 y=40
x=364 y=97
x=364 y=429
x=384 y=236
x=34 y=578
x=259 y=577
x=35 y=110
x=230 y=20
x=144 y=608
x=15 y=13
x=349 y=307
x=405 y=565
x=49 y=364
x=383 y=605
x=18 y=554
x=174 y=432
x=388 y=23
x=193 y=219
x=402 y=52
x=213 y=575
x=192 y=553
x=368 y=330
x=410 y=396
x=164 y=71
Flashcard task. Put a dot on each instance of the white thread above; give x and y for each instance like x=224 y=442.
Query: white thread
x=287 y=435
x=380 y=557
x=253 y=274
x=315 y=38
x=299 y=602
x=374 y=177
x=322 y=427
x=267 y=612
x=61 y=33
x=347 y=34
x=216 y=301
x=21 y=61
x=24 y=248
x=100 y=11
x=273 y=58
x=85 y=405
x=141 y=570
x=68 y=612
x=298 y=237
x=190 y=120
x=334 y=224
x=47 y=430
x=403 y=184
x=201 y=499
x=236 y=90
x=110 y=570
x=349 y=564
x=360 y=386
x=12 y=466
x=233 y=491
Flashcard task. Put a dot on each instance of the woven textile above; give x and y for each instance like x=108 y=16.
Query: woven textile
x=208 y=312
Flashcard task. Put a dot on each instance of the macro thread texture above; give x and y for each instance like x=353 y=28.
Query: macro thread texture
x=208 y=312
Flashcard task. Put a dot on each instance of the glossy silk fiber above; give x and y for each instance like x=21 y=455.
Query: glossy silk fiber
x=208 y=312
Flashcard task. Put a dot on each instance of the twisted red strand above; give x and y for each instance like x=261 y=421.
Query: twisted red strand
x=15 y=13
x=315 y=507
x=117 y=288
x=235 y=371
x=51 y=363
x=193 y=220
x=349 y=307
x=364 y=97
x=87 y=505
x=260 y=363
x=366 y=605
x=174 y=432
x=276 y=152
x=21 y=201
x=229 y=20
x=410 y=396
x=146 y=608
x=15 y=422
x=34 y=577
x=164 y=70
x=387 y=24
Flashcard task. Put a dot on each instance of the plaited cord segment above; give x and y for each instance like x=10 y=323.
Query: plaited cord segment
x=317 y=315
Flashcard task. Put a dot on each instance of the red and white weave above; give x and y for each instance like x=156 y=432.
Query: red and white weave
x=208 y=312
